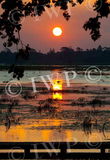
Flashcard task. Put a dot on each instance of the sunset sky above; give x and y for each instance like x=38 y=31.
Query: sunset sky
x=38 y=32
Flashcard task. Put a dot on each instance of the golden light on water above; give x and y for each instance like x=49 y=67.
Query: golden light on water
x=57 y=85
x=57 y=95
x=57 y=88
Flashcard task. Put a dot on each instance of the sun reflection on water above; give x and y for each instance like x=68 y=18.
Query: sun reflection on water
x=57 y=88
x=57 y=85
x=57 y=95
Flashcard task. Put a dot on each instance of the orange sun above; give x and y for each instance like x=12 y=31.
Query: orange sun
x=57 y=31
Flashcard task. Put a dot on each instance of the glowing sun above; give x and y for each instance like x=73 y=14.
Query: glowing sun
x=57 y=31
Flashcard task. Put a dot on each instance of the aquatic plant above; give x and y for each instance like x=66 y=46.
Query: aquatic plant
x=87 y=125
x=47 y=105
x=105 y=126
x=96 y=102
x=28 y=95
x=79 y=102
x=7 y=122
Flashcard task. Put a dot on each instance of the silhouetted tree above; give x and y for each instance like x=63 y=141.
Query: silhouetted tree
x=67 y=50
x=51 y=51
x=99 y=49
x=78 y=49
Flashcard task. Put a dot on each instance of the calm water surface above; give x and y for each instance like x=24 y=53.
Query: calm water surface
x=82 y=112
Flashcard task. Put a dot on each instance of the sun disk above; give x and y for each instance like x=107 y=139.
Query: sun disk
x=57 y=31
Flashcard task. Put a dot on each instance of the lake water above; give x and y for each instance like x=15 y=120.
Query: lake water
x=79 y=112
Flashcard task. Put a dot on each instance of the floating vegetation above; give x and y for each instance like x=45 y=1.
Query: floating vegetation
x=29 y=95
x=79 y=102
x=96 y=102
x=48 y=105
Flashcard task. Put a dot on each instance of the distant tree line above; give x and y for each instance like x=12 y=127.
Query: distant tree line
x=66 y=56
